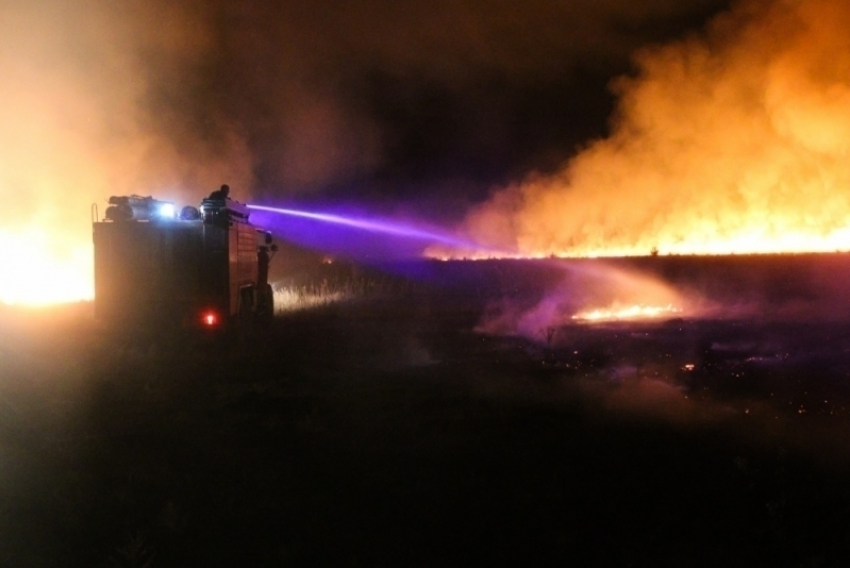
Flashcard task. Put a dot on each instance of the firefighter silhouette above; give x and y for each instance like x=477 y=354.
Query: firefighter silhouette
x=262 y=267
x=221 y=193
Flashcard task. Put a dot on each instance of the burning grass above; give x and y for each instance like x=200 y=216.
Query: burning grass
x=726 y=141
x=634 y=312
x=290 y=298
x=331 y=283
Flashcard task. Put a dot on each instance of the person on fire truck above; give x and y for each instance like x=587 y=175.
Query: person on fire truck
x=263 y=259
x=222 y=194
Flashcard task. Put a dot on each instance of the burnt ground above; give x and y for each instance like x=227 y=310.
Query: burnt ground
x=388 y=431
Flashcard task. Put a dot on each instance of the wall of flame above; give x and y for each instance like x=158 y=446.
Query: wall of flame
x=732 y=140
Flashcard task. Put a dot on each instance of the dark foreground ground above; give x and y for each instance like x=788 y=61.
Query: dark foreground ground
x=387 y=431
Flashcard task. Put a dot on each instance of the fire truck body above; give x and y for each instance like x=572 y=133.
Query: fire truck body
x=199 y=269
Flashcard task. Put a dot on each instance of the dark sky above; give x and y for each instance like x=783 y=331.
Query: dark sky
x=378 y=99
x=421 y=104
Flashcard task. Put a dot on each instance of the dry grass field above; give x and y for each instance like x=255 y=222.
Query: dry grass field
x=422 y=421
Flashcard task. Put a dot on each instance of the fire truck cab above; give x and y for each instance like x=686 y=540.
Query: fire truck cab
x=203 y=268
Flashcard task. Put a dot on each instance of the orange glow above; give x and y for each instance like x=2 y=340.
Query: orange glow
x=729 y=142
x=36 y=271
x=73 y=131
x=615 y=313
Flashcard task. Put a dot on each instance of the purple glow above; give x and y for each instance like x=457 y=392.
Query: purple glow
x=373 y=226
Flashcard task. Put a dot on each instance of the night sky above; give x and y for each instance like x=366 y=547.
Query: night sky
x=378 y=100
x=424 y=105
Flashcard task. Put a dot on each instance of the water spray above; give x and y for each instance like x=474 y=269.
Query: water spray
x=386 y=227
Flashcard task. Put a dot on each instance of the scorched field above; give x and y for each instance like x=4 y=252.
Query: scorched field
x=663 y=411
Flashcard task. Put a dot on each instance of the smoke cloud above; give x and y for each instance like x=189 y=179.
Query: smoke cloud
x=286 y=98
x=735 y=139
x=76 y=128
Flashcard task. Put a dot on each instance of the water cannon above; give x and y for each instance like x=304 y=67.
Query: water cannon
x=212 y=210
x=138 y=208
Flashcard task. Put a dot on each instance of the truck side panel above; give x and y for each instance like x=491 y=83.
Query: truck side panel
x=196 y=271
x=148 y=271
x=242 y=261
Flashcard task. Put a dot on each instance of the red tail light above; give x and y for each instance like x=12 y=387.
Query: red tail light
x=209 y=318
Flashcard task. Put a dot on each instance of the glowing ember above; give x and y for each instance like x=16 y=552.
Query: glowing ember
x=626 y=313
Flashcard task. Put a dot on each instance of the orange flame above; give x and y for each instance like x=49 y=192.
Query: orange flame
x=733 y=141
x=615 y=313
x=74 y=131
x=36 y=274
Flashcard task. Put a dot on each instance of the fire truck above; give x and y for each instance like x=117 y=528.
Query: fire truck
x=202 y=267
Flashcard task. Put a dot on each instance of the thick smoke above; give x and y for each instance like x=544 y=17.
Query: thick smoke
x=80 y=113
x=281 y=98
x=732 y=140
x=77 y=127
x=383 y=99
